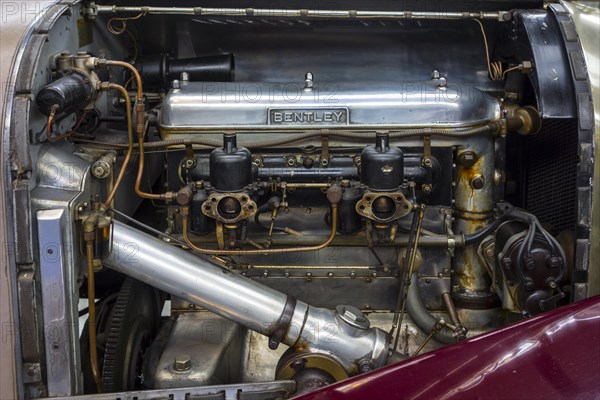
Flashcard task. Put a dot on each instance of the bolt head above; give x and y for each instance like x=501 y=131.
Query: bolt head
x=183 y=362
x=554 y=262
x=477 y=182
x=442 y=83
x=366 y=367
x=298 y=364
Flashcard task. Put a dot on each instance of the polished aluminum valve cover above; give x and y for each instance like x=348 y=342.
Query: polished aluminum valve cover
x=209 y=106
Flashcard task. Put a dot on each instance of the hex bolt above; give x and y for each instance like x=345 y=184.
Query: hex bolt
x=308 y=82
x=426 y=188
x=477 y=182
x=352 y=275
x=435 y=74
x=291 y=161
x=442 y=83
x=298 y=364
x=185 y=76
x=176 y=84
x=183 y=362
x=365 y=366
x=330 y=274
x=554 y=262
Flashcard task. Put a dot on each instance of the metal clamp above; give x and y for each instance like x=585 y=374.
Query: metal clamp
x=283 y=323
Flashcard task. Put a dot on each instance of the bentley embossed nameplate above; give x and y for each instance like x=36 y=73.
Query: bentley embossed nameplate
x=308 y=116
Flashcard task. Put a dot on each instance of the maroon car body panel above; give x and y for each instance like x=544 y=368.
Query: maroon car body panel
x=552 y=356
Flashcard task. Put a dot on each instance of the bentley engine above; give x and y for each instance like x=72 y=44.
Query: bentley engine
x=268 y=200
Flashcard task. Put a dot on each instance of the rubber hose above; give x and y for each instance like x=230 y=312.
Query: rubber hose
x=480 y=235
x=421 y=316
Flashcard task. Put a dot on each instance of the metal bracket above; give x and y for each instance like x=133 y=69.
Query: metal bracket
x=324 y=147
x=427 y=152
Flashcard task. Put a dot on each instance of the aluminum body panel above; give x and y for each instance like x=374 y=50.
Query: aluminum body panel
x=56 y=277
x=18 y=21
x=586 y=18
x=63 y=181
x=553 y=355
x=198 y=106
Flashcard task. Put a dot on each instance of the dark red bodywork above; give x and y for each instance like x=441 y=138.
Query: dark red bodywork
x=555 y=355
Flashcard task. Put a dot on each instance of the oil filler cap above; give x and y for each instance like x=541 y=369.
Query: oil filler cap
x=353 y=316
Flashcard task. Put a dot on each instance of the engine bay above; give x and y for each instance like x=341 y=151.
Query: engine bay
x=264 y=201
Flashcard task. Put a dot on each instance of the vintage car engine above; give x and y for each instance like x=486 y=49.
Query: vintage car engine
x=270 y=200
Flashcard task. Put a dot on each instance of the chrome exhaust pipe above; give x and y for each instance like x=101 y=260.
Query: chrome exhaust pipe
x=353 y=344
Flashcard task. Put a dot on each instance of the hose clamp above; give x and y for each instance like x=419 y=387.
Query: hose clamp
x=283 y=323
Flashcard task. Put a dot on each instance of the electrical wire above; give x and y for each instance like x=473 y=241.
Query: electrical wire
x=495 y=69
x=51 y=119
x=535 y=228
x=71 y=132
x=115 y=30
